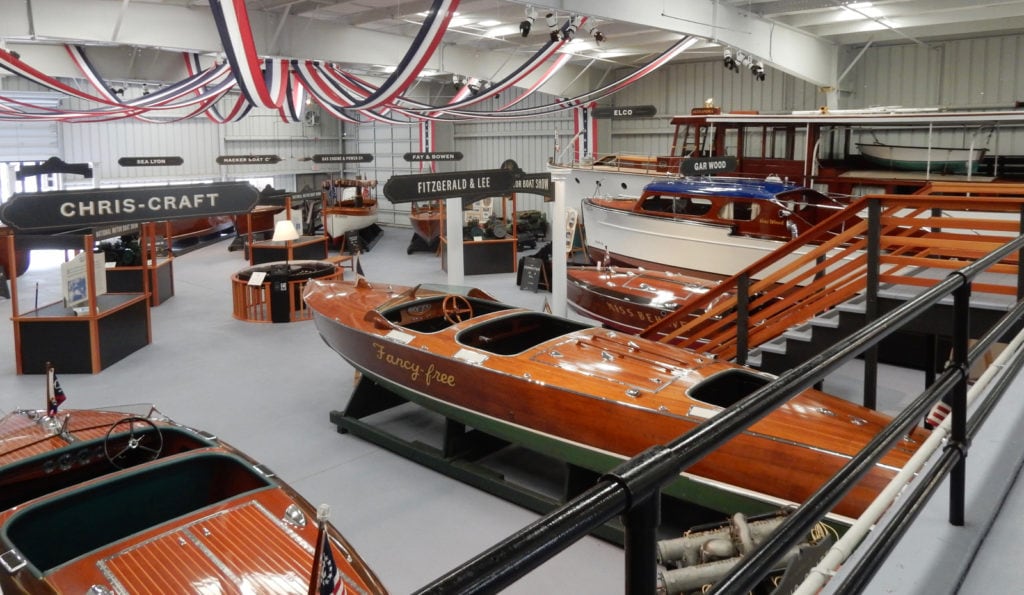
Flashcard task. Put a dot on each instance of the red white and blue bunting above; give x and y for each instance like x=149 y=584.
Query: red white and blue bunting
x=585 y=131
x=228 y=90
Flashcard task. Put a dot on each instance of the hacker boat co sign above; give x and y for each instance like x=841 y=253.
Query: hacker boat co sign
x=44 y=211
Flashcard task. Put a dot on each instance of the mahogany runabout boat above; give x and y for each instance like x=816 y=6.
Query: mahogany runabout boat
x=593 y=395
x=630 y=299
x=710 y=227
x=104 y=502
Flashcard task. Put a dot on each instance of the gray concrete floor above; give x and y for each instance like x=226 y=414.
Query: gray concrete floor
x=268 y=389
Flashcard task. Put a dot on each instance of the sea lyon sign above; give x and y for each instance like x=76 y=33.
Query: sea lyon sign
x=45 y=211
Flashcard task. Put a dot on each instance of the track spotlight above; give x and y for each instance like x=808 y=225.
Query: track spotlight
x=728 y=61
x=551 y=19
x=744 y=60
x=117 y=91
x=16 y=55
x=474 y=85
x=574 y=24
x=757 y=69
x=531 y=16
x=594 y=32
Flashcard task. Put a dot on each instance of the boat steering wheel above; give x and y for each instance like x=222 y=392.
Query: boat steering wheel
x=456 y=308
x=142 y=446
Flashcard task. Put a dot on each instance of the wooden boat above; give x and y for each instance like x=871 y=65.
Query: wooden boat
x=128 y=501
x=629 y=300
x=426 y=219
x=592 y=395
x=948 y=160
x=352 y=210
x=183 y=229
x=708 y=227
x=259 y=219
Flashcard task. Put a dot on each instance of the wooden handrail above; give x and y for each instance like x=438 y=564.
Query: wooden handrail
x=827 y=265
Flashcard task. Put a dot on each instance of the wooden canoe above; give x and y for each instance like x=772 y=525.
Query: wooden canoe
x=130 y=502
x=592 y=395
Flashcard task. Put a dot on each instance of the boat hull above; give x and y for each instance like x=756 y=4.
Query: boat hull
x=559 y=397
x=936 y=159
x=705 y=250
x=630 y=300
x=341 y=219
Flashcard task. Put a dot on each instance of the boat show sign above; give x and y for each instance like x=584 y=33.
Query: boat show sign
x=48 y=211
x=465 y=184
x=534 y=184
x=342 y=158
x=149 y=161
x=706 y=166
x=439 y=156
x=626 y=112
x=247 y=159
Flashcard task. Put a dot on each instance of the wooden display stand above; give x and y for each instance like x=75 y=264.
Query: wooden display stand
x=155 y=274
x=277 y=298
x=111 y=327
x=486 y=255
x=305 y=248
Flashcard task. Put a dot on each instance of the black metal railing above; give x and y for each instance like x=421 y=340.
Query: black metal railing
x=631 y=489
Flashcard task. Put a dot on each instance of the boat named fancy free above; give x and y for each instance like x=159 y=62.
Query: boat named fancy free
x=594 y=396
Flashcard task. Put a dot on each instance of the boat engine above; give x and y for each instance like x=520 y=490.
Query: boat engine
x=704 y=555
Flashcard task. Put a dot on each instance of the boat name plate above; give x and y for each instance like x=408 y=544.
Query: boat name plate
x=470 y=356
x=400 y=337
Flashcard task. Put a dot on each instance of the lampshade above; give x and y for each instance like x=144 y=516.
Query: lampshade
x=284 y=231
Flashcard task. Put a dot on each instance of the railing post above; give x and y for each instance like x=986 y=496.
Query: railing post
x=874 y=240
x=1020 y=259
x=641 y=545
x=958 y=435
x=742 y=318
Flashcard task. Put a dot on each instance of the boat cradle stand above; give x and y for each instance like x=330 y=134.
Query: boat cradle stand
x=461 y=457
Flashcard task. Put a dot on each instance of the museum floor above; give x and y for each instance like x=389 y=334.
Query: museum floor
x=269 y=388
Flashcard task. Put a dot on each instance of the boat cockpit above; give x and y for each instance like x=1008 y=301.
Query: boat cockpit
x=508 y=335
x=434 y=313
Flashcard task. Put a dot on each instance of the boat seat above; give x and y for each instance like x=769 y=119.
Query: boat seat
x=54 y=531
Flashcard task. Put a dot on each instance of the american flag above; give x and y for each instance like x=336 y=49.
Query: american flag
x=54 y=393
x=330 y=578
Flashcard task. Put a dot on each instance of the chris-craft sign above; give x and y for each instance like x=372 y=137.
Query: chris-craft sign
x=464 y=184
x=149 y=161
x=44 y=211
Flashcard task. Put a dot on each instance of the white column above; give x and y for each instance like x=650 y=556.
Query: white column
x=559 y=243
x=453 y=231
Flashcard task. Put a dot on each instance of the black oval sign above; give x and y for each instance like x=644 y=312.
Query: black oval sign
x=343 y=158
x=247 y=159
x=149 y=161
x=704 y=166
x=626 y=112
x=40 y=211
x=438 y=156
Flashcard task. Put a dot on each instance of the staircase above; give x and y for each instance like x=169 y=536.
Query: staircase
x=860 y=263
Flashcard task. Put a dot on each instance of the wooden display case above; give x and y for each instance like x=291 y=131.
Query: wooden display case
x=155 y=274
x=484 y=252
x=105 y=329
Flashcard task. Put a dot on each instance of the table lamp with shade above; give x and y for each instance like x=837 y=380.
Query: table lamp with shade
x=284 y=231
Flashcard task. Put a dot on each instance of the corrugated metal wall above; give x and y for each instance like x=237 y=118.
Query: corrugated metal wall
x=972 y=73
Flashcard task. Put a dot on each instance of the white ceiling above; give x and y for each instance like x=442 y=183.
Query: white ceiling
x=493 y=25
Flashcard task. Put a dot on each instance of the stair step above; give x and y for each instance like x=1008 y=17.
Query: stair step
x=829 y=319
x=776 y=346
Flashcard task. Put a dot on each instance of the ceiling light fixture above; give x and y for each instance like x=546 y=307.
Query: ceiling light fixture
x=531 y=16
x=728 y=61
x=594 y=32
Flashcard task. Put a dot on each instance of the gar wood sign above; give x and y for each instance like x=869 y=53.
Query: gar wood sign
x=48 y=211
x=705 y=166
